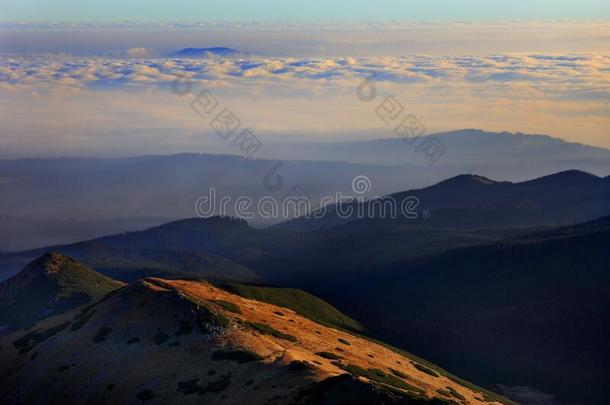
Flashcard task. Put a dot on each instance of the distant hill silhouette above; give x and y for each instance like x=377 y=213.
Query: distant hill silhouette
x=467 y=148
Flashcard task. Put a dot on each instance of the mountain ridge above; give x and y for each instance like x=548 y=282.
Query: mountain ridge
x=471 y=201
x=484 y=211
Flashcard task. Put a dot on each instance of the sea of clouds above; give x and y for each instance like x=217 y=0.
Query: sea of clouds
x=581 y=76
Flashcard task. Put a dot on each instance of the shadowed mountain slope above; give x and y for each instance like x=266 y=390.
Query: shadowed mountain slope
x=531 y=310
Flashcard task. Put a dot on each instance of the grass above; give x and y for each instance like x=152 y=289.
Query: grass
x=444 y=392
x=398 y=373
x=208 y=318
x=329 y=355
x=456 y=394
x=377 y=375
x=299 y=301
x=268 y=330
x=425 y=369
x=228 y=306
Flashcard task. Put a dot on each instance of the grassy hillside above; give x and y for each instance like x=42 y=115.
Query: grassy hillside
x=320 y=311
x=299 y=301
x=178 y=341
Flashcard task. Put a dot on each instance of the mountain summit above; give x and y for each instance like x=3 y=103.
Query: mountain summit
x=49 y=285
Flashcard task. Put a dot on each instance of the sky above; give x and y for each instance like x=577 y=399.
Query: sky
x=76 y=79
x=311 y=10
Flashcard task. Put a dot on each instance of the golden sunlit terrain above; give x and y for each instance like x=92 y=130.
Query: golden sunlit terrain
x=190 y=341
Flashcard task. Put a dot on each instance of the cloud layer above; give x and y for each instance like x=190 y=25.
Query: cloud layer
x=573 y=73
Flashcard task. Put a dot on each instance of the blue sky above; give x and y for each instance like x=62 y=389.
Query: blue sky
x=307 y=11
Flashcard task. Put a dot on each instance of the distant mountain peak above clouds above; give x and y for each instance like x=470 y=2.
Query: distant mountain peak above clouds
x=207 y=52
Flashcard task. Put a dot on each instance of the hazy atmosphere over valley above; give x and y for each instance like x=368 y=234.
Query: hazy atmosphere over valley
x=333 y=202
